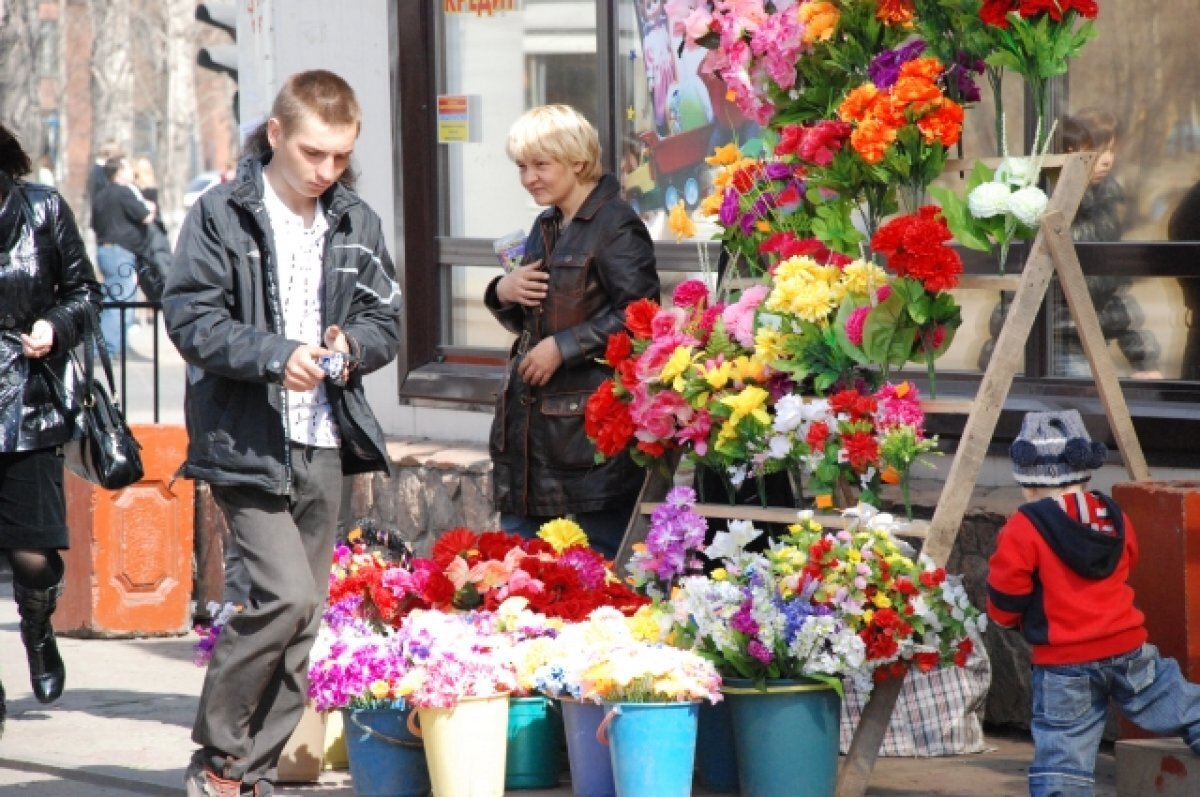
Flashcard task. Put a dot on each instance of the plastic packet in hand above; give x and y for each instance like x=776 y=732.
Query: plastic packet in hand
x=510 y=249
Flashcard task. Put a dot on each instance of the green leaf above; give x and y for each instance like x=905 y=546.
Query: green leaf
x=888 y=335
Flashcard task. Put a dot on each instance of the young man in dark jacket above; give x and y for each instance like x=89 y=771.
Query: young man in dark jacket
x=1060 y=574
x=281 y=297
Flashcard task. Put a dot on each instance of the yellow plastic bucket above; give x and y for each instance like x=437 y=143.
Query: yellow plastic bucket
x=465 y=746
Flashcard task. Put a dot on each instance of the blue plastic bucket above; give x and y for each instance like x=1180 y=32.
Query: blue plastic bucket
x=653 y=747
x=386 y=760
x=535 y=741
x=716 y=758
x=785 y=735
x=591 y=766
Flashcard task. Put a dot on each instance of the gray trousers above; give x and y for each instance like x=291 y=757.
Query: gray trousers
x=255 y=688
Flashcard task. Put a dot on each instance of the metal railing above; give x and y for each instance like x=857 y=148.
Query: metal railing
x=122 y=359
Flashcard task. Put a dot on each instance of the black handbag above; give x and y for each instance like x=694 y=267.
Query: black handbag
x=106 y=454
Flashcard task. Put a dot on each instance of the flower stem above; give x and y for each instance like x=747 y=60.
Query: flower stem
x=995 y=78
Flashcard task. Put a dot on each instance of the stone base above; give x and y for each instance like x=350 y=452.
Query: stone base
x=1162 y=767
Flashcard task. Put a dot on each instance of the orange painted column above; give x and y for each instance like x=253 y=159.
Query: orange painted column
x=1166 y=580
x=129 y=569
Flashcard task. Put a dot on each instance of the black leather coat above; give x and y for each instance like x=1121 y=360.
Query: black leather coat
x=544 y=465
x=44 y=274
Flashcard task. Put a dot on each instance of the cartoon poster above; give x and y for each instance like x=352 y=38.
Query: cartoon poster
x=677 y=114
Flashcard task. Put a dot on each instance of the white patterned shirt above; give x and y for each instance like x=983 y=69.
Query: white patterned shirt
x=300 y=252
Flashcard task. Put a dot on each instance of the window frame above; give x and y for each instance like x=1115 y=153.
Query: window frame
x=433 y=374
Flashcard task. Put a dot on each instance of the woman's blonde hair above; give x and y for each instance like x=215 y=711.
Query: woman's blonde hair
x=143 y=173
x=558 y=132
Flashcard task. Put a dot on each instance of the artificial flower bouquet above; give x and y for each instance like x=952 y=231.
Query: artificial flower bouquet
x=556 y=572
x=354 y=665
x=853 y=604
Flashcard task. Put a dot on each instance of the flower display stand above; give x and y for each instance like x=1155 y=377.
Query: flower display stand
x=1052 y=252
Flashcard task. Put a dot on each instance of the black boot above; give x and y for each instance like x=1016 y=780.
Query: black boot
x=47 y=674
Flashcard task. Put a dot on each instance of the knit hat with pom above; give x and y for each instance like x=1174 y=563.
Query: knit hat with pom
x=1054 y=450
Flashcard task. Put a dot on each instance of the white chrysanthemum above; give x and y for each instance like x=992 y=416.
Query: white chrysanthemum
x=989 y=199
x=779 y=446
x=789 y=413
x=729 y=544
x=1017 y=172
x=1028 y=204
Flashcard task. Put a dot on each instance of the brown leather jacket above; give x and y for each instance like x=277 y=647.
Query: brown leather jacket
x=544 y=465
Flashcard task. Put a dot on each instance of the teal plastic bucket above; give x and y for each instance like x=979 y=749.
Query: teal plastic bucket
x=653 y=747
x=716 y=758
x=386 y=760
x=535 y=742
x=591 y=766
x=785 y=735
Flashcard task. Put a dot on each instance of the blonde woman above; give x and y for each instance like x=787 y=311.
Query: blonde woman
x=588 y=256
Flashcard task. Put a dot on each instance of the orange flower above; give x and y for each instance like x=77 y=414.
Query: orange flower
x=943 y=125
x=895 y=12
x=824 y=501
x=859 y=103
x=890 y=475
x=928 y=68
x=871 y=140
x=918 y=91
x=820 y=20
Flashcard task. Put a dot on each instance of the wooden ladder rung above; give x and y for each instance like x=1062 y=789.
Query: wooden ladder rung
x=947 y=406
x=989 y=282
x=779 y=514
x=1048 y=162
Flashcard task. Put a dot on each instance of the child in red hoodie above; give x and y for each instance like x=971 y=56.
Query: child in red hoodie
x=1060 y=574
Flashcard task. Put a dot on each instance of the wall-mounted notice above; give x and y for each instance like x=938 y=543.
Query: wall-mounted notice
x=457 y=119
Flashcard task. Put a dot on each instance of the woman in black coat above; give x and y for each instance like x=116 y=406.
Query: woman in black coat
x=587 y=258
x=48 y=290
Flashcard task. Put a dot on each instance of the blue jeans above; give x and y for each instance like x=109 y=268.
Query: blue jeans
x=604 y=529
x=1070 y=706
x=119 y=267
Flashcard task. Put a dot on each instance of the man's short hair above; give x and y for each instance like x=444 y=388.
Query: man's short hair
x=558 y=132
x=113 y=165
x=318 y=93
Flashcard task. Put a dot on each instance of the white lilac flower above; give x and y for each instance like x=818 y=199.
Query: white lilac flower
x=1028 y=204
x=729 y=544
x=789 y=413
x=737 y=475
x=989 y=199
x=1017 y=172
x=779 y=446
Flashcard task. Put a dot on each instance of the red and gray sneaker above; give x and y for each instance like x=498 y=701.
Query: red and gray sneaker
x=203 y=782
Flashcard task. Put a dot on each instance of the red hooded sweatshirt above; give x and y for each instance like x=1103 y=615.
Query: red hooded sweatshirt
x=1060 y=574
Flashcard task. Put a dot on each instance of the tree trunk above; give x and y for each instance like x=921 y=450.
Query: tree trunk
x=20 y=106
x=179 y=119
x=112 y=74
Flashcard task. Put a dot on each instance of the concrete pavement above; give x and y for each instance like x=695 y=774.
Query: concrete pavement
x=123 y=728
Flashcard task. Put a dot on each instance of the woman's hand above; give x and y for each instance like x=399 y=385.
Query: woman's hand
x=526 y=285
x=39 y=341
x=540 y=363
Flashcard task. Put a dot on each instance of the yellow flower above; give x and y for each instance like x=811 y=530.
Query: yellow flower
x=854 y=555
x=723 y=156
x=355 y=534
x=768 y=343
x=811 y=301
x=680 y=222
x=748 y=403
x=562 y=534
x=379 y=689
x=762 y=225
x=676 y=364
x=748 y=369
x=867 y=616
x=864 y=277
x=720 y=574
x=718 y=375
x=882 y=601
x=711 y=204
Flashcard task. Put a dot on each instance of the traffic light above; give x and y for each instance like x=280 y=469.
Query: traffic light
x=219 y=57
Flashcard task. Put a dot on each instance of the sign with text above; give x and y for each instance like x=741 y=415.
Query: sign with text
x=480 y=8
x=457 y=116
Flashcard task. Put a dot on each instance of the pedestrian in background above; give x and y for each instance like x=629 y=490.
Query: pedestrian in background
x=275 y=272
x=1060 y=574
x=48 y=290
x=120 y=217
x=587 y=258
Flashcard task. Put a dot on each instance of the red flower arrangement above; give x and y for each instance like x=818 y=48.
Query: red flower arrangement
x=916 y=247
x=560 y=576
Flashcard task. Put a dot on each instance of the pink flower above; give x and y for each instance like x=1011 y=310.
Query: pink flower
x=658 y=418
x=667 y=321
x=900 y=405
x=739 y=316
x=696 y=432
x=882 y=294
x=690 y=294
x=855 y=324
x=651 y=363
